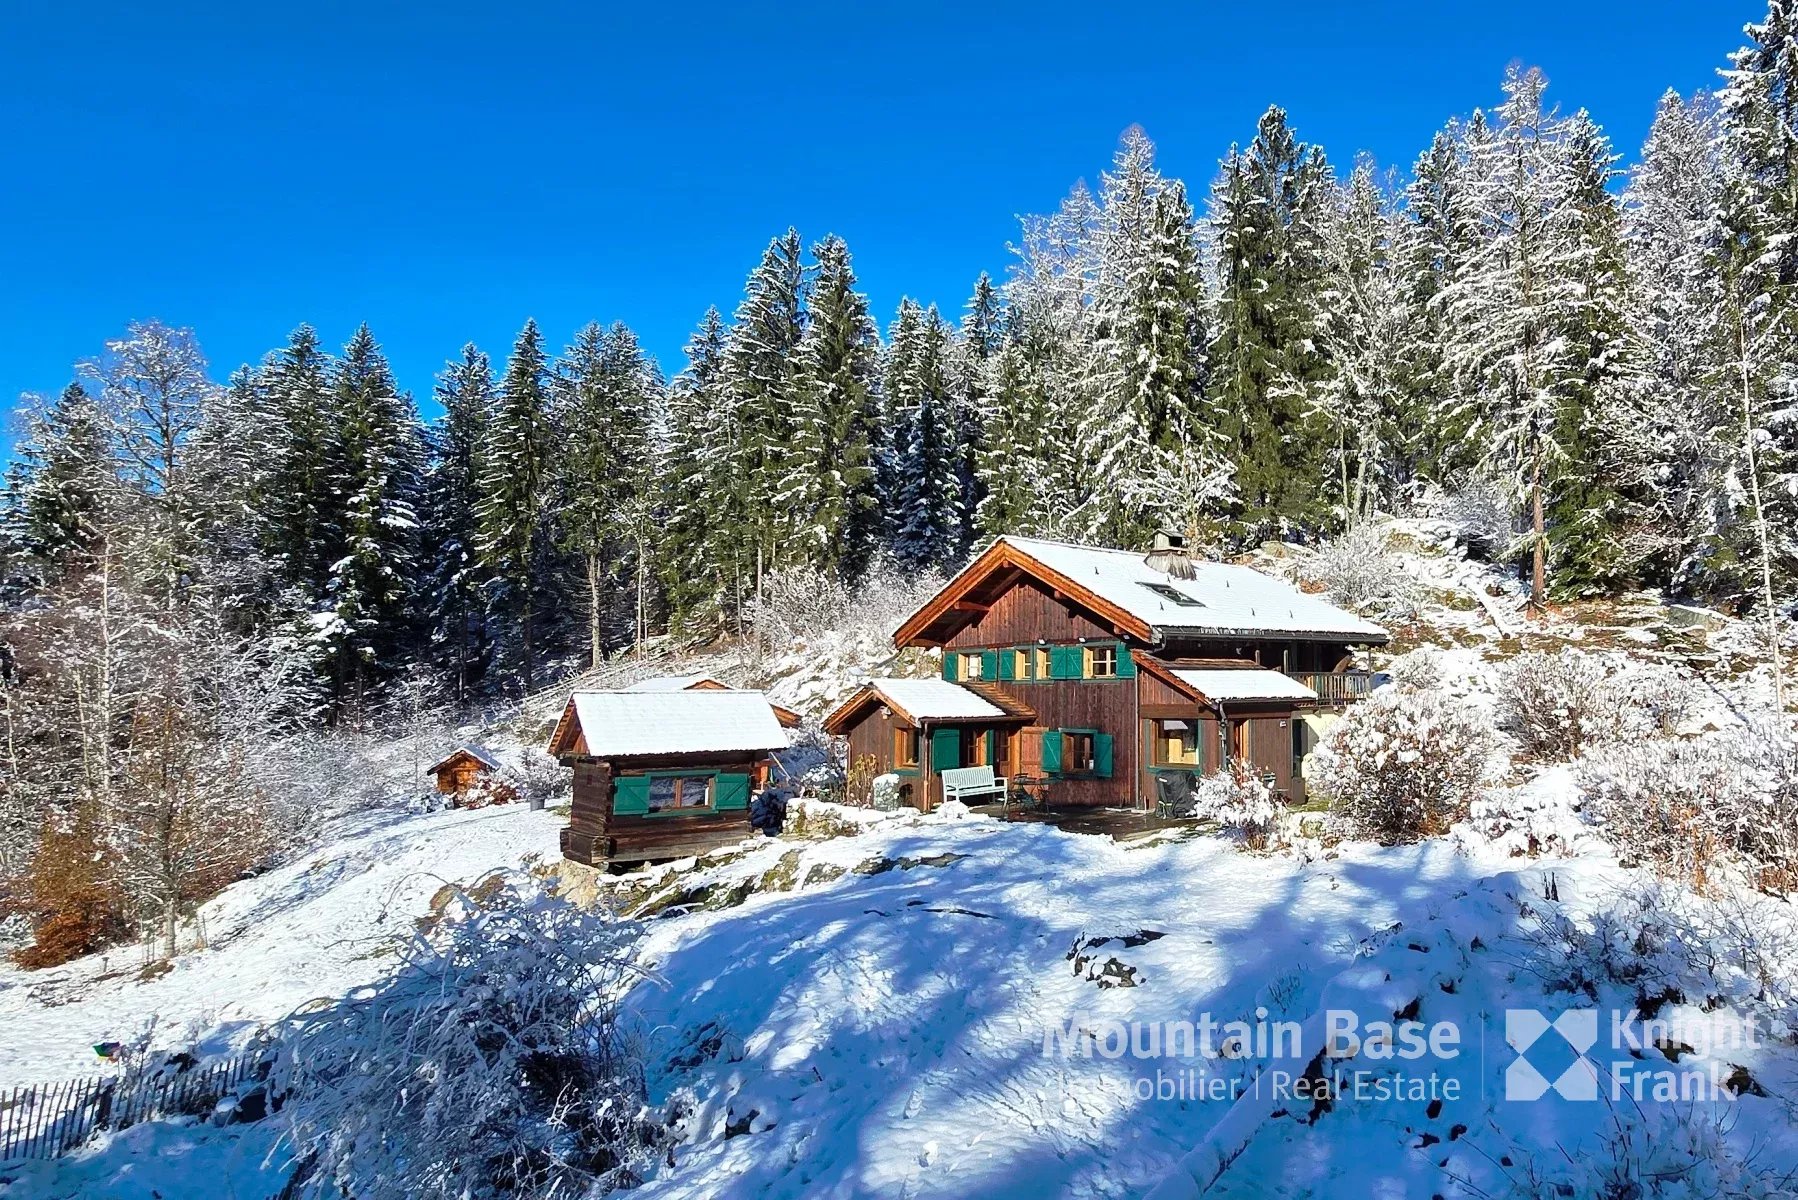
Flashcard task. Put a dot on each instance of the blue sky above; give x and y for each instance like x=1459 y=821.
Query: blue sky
x=445 y=171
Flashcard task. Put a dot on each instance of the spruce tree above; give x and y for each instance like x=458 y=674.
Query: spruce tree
x=59 y=500
x=703 y=565
x=460 y=641
x=927 y=519
x=515 y=491
x=604 y=398
x=836 y=437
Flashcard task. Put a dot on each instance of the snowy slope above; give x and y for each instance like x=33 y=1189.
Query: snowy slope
x=312 y=928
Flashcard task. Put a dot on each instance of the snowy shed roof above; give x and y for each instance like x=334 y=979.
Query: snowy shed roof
x=623 y=724
x=919 y=700
x=674 y=683
x=474 y=750
x=1224 y=684
x=1220 y=598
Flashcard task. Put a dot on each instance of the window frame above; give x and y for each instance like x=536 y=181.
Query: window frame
x=680 y=780
x=1072 y=764
x=1160 y=738
x=906 y=738
x=970 y=665
x=1089 y=661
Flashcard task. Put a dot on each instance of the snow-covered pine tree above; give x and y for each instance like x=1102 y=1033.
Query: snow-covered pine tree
x=301 y=518
x=1266 y=212
x=1362 y=323
x=1441 y=242
x=57 y=510
x=702 y=560
x=1678 y=433
x=604 y=397
x=762 y=369
x=982 y=335
x=375 y=447
x=1009 y=461
x=1757 y=262
x=1513 y=355
x=927 y=516
x=837 y=508
x=460 y=642
x=515 y=485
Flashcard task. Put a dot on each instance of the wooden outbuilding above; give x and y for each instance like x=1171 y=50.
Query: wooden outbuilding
x=472 y=773
x=1086 y=675
x=662 y=774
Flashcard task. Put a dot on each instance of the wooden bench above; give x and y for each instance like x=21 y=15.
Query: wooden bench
x=961 y=783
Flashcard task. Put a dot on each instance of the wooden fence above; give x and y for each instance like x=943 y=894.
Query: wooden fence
x=49 y=1120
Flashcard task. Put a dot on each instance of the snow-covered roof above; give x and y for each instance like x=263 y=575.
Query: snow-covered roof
x=1225 y=684
x=936 y=700
x=477 y=752
x=620 y=724
x=1221 y=598
x=671 y=683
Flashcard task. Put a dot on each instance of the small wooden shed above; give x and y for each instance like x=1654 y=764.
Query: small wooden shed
x=661 y=775
x=471 y=771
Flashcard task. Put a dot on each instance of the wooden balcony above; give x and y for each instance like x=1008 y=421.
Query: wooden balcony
x=1337 y=687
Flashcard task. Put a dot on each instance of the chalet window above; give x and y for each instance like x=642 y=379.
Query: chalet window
x=668 y=793
x=905 y=747
x=1040 y=663
x=970 y=666
x=1020 y=664
x=1077 y=752
x=1177 y=743
x=1101 y=662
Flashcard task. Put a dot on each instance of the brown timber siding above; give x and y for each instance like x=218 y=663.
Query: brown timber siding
x=596 y=836
x=1026 y=612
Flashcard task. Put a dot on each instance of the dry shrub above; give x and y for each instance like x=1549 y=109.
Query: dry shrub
x=1555 y=704
x=1402 y=765
x=69 y=899
x=858 y=782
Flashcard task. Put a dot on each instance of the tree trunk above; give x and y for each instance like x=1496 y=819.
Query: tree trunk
x=524 y=632
x=1539 y=559
x=595 y=646
x=1760 y=525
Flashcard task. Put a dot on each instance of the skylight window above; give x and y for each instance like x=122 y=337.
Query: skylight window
x=1169 y=592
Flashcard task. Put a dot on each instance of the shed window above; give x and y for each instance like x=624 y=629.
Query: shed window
x=1177 y=743
x=1101 y=662
x=905 y=747
x=670 y=792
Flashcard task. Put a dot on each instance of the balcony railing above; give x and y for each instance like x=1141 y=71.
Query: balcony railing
x=1337 y=687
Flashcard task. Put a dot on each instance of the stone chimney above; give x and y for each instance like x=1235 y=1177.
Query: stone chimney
x=1169 y=556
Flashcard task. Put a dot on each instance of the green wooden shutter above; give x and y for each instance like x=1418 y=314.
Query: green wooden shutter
x=1052 y=751
x=951 y=661
x=1065 y=662
x=1008 y=664
x=1126 y=664
x=992 y=749
x=989 y=664
x=730 y=792
x=945 y=750
x=630 y=796
x=1102 y=755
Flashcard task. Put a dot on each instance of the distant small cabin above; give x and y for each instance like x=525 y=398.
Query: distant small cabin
x=705 y=683
x=471 y=772
x=662 y=774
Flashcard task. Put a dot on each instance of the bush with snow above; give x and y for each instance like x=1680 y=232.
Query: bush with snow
x=1359 y=572
x=1483 y=514
x=1403 y=764
x=488 y=1063
x=1683 y=806
x=1240 y=800
x=1555 y=704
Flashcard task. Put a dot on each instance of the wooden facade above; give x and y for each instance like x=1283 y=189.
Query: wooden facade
x=1108 y=713
x=467 y=773
x=648 y=802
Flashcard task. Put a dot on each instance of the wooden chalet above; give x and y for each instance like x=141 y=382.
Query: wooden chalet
x=472 y=772
x=705 y=683
x=1085 y=674
x=662 y=774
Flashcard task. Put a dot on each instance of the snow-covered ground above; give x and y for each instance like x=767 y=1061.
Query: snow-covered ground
x=313 y=928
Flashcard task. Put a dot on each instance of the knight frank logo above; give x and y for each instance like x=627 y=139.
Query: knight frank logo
x=1551 y=1054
